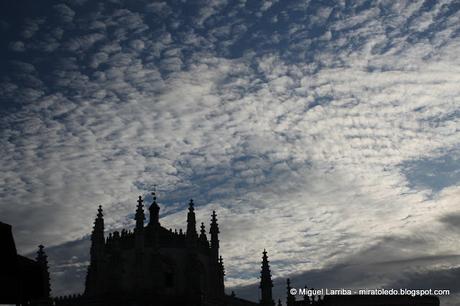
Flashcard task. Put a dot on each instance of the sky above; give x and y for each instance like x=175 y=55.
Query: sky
x=326 y=132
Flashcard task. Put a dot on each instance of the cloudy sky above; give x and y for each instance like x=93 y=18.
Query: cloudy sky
x=326 y=132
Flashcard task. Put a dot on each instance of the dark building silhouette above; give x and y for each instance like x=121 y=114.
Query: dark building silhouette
x=266 y=283
x=152 y=265
x=22 y=280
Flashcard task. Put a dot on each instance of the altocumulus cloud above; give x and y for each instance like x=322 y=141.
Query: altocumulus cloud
x=306 y=125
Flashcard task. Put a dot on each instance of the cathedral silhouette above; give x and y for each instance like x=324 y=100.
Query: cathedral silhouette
x=152 y=265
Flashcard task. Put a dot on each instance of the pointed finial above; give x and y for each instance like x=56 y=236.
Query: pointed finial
x=203 y=230
x=154 y=193
x=266 y=283
x=99 y=212
x=154 y=210
x=264 y=256
x=192 y=234
x=41 y=256
x=139 y=217
x=214 y=231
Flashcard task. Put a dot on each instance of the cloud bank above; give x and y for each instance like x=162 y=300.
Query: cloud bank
x=316 y=130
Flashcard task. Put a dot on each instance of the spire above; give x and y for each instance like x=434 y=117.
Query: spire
x=191 y=222
x=154 y=210
x=266 y=283
x=96 y=254
x=140 y=217
x=203 y=231
x=290 y=299
x=214 y=231
x=203 y=237
x=97 y=236
x=42 y=260
x=98 y=228
x=100 y=215
x=139 y=244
